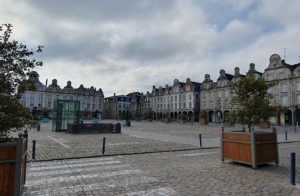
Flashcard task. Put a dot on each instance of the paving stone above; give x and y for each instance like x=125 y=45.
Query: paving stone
x=183 y=172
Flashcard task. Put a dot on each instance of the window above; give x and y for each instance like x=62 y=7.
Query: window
x=284 y=100
x=219 y=94
x=281 y=75
x=270 y=90
x=190 y=105
x=298 y=99
x=269 y=77
x=298 y=86
x=283 y=88
x=226 y=93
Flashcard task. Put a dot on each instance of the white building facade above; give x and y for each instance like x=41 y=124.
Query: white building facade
x=44 y=97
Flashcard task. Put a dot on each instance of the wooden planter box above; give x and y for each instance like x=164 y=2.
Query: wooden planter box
x=254 y=148
x=165 y=120
x=13 y=166
x=203 y=122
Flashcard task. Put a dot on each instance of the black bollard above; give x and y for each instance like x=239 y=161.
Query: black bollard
x=33 y=149
x=38 y=128
x=293 y=168
x=285 y=135
x=200 y=140
x=103 y=146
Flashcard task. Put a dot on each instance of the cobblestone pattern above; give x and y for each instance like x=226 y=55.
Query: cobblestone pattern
x=141 y=137
x=196 y=172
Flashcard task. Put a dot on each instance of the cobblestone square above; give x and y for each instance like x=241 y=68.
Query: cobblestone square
x=151 y=159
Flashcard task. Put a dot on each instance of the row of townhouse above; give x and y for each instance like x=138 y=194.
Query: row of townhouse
x=44 y=97
x=187 y=98
x=172 y=101
x=190 y=98
x=124 y=106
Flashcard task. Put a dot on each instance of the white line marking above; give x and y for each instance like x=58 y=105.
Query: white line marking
x=66 y=166
x=124 y=143
x=72 y=178
x=64 y=145
x=157 y=192
x=196 y=154
x=68 y=171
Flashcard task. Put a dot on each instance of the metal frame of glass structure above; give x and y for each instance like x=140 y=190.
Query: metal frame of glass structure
x=66 y=112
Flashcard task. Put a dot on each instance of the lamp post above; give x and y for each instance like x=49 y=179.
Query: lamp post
x=219 y=112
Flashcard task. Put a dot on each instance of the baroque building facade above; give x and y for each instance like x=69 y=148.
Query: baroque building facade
x=173 y=101
x=216 y=96
x=190 y=98
x=117 y=106
x=286 y=88
x=45 y=97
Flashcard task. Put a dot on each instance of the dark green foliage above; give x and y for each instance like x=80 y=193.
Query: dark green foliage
x=16 y=72
x=251 y=101
x=182 y=117
x=203 y=114
x=150 y=114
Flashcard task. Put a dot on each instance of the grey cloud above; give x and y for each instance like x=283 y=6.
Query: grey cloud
x=98 y=10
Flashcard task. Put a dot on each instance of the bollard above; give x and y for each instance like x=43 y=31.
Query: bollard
x=103 y=146
x=200 y=140
x=33 y=149
x=38 y=128
x=293 y=168
x=285 y=135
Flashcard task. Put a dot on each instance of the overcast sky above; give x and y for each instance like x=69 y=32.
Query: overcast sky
x=123 y=46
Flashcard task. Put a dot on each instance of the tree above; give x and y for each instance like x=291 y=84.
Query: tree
x=251 y=101
x=16 y=73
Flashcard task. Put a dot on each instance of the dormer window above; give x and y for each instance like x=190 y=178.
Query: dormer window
x=269 y=77
x=281 y=75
